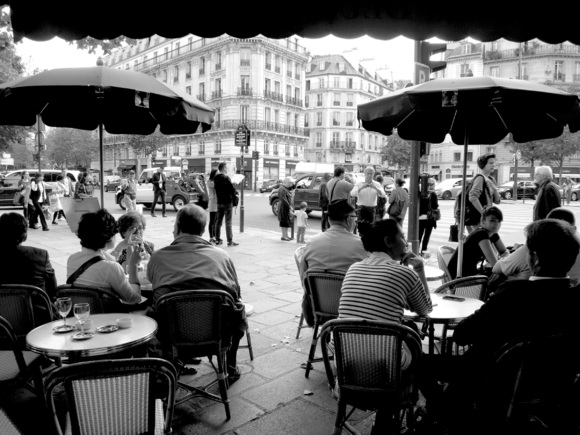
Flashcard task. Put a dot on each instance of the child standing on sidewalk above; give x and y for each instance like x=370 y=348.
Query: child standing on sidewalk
x=301 y=222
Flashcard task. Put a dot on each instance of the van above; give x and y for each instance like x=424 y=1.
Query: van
x=169 y=171
x=13 y=177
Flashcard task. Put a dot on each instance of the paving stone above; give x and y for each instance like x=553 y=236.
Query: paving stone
x=271 y=318
x=281 y=279
x=280 y=361
x=266 y=304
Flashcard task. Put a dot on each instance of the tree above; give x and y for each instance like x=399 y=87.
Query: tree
x=531 y=151
x=70 y=147
x=558 y=149
x=397 y=152
x=107 y=45
x=11 y=66
x=147 y=145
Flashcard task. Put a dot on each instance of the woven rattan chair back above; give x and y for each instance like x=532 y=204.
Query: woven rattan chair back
x=471 y=287
x=115 y=396
x=12 y=363
x=531 y=380
x=298 y=254
x=25 y=307
x=367 y=356
x=325 y=291
x=100 y=300
x=7 y=427
x=444 y=254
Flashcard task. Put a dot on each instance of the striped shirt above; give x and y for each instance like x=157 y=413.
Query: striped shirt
x=379 y=288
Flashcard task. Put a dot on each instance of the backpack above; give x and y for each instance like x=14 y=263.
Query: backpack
x=472 y=216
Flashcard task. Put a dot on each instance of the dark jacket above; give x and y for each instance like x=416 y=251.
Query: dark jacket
x=224 y=189
x=547 y=200
x=285 y=197
x=158 y=180
x=323 y=196
x=27 y=265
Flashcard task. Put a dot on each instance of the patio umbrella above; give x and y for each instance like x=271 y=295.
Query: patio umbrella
x=119 y=101
x=473 y=110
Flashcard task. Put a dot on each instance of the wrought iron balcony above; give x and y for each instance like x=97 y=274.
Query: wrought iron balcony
x=187 y=75
x=218 y=66
x=559 y=77
x=216 y=94
x=245 y=91
x=201 y=71
x=345 y=146
x=277 y=69
x=201 y=97
x=245 y=62
x=269 y=66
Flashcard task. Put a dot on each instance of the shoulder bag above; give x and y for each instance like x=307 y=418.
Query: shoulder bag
x=71 y=279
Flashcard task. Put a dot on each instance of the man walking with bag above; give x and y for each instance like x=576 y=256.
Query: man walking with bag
x=225 y=192
x=399 y=201
x=158 y=180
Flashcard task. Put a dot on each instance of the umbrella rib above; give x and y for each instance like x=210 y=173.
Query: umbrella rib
x=405 y=118
x=499 y=116
x=40 y=113
x=453 y=120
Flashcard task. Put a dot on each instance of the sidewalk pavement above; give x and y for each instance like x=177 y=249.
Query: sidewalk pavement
x=272 y=396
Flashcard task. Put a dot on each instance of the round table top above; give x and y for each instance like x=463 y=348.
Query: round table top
x=433 y=273
x=46 y=342
x=447 y=310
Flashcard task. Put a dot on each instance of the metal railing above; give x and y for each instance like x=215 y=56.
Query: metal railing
x=232 y=124
x=245 y=62
x=245 y=91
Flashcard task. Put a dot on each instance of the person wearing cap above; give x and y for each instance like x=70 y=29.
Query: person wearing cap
x=399 y=201
x=130 y=192
x=336 y=249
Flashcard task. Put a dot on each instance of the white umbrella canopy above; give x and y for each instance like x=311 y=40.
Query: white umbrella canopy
x=118 y=101
x=473 y=110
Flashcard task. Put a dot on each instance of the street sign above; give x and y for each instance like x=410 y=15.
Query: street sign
x=422 y=73
x=7 y=161
x=518 y=155
x=184 y=164
x=242 y=136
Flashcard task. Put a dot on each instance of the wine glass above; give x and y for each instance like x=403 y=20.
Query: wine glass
x=63 y=305
x=82 y=312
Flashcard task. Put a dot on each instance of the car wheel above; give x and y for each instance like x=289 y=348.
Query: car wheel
x=507 y=195
x=447 y=195
x=574 y=197
x=178 y=203
x=275 y=206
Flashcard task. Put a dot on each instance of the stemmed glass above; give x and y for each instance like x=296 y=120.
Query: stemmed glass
x=63 y=305
x=82 y=312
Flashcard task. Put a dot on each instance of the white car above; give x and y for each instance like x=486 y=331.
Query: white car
x=449 y=188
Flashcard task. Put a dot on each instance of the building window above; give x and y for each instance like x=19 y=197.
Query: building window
x=350 y=84
x=269 y=61
x=278 y=65
x=341 y=67
x=201 y=96
x=318 y=119
x=307 y=85
x=456 y=157
x=289 y=68
x=559 y=70
x=318 y=140
x=306 y=101
x=306 y=117
x=322 y=66
x=335 y=118
x=201 y=66
x=218 y=146
x=335 y=138
x=244 y=111
x=490 y=150
x=166 y=53
x=175 y=74
x=319 y=100
x=266 y=147
x=201 y=147
x=245 y=57
x=494 y=71
x=349 y=100
x=268 y=85
x=164 y=76
x=188 y=149
x=524 y=71
x=337 y=82
x=296 y=120
x=275 y=148
x=245 y=85
x=218 y=61
x=469 y=156
x=155 y=57
x=188 y=90
x=494 y=46
x=188 y=70
x=337 y=99
x=175 y=150
x=349 y=119
x=466 y=49
x=466 y=70
x=321 y=83
x=267 y=114
x=276 y=116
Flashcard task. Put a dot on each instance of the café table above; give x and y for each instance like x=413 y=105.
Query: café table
x=445 y=312
x=45 y=341
x=433 y=273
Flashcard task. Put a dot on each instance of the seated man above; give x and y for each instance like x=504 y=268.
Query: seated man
x=192 y=263
x=23 y=264
x=334 y=250
x=515 y=265
x=544 y=304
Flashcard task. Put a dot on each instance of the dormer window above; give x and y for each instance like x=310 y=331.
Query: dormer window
x=341 y=67
x=322 y=66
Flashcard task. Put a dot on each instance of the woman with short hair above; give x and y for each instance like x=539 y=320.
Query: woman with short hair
x=285 y=207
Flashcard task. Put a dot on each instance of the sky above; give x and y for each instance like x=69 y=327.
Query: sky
x=393 y=59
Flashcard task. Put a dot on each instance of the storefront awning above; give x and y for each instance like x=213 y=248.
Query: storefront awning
x=126 y=167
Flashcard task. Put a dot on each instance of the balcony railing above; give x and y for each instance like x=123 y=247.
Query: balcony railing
x=297 y=76
x=201 y=152
x=267 y=152
x=201 y=71
x=560 y=77
x=187 y=75
x=294 y=101
x=245 y=91
x=164 y=154
x=275 y=153
x=201 y=97
x=175 y=79
x=216 y=94
x=188 y=153
x=319 y=123
x=218 y=151
x=269 y=66
x=306 y=104
x=319 y=103
x=349 y=123
x=340 y=145
x=531 y=50
x=218 y=66
x=349 y=103
x=232 y=124
x=245 y=62
x=335 y=122
x=273 y=95
x=277 y=69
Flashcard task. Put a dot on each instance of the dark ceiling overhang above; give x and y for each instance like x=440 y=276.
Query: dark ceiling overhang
x=380 y=19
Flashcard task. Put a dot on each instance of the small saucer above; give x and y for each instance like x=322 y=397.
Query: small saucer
x=82 y=335
x=61 y=329
x=107 y=328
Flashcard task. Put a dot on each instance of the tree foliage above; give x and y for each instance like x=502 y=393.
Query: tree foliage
x=397 y=152
x=531 y=151
x=70 y=147
x=147 y=145
x=107 y=45
x=11 y=66
x=557 y=150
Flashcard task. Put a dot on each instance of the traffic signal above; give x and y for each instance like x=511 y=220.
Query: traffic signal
x=429 y=49
x=256 y=155
x=425 y=148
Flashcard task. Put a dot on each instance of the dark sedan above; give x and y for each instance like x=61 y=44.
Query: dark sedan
x=506 y=190
x=7 y=196
x=269 y=185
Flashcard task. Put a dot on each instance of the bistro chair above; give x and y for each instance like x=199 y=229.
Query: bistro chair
x=298 y=254
x=122 y=396
x=444 y=254
x=25 y=307
x=197 y=323
x=14 y=363
x=7 y=427
x=324 y=289
x=533 y=383
x=470 y=287
x=367 y=369
x=101 y=300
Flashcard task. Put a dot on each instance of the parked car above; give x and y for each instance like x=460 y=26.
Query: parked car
x=111 y=183
x=7 y=196
x=506 y=190
x=575 y=192
x=306 y=189
x=449 y=188
x=13 y=177
x=269 y=185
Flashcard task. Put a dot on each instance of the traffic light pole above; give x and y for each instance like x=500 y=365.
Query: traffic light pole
x=242 y=195
x=413 y=228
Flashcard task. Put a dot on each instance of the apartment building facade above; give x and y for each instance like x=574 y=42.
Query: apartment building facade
x=334 y=88
x=555 y=65
x=258 y=82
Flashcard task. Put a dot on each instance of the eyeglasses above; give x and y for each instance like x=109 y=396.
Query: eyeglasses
x=131 y=173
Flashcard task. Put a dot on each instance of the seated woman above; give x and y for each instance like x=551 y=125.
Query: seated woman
x=131 y=223
x=97 y=233
x=479 y=245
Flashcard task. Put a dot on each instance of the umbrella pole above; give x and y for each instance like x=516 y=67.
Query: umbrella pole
x=462 y=212
x=101 y=178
